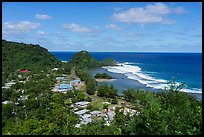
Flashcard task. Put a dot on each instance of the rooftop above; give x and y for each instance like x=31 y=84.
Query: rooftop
x=65 y=86
x=95 y=112
x=24 y=70
x=76 y=80
x=82 y=103
x=6 y=102
x=80 y=112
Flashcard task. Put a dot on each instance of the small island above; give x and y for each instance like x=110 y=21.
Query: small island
x=102 y=77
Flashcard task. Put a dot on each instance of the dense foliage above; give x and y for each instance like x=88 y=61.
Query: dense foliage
x=84 y=60
x=108 y=62
x=165 y=113
x=17 y=56
x=107 y=91
x=102 y=75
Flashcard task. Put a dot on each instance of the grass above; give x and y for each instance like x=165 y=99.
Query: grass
x=97 y=101
x=83 y=88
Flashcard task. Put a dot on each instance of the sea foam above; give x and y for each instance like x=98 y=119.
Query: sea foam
x=135 y=73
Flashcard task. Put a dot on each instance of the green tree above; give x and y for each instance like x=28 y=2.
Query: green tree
x=114 y=101
x=91 y=87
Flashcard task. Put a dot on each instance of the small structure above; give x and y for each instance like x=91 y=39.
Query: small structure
x=55 y=69
x=24 y=71
x=25 y=97
x=129 y=111
x=61 y=78
x=7 y=102
x=8 y=85
x=65 y=87
x=82 y=104
x=75 y=82
x=5 y=87
x=111 y=114
x=77 y=125
x=106 y=103
x=64 y=75
x=95 y=113
x=86 y=118
x=80 y=112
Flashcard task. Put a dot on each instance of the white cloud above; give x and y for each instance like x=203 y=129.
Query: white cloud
x=76 y=28
x=113 y=27
x=155 y=13
x=19 y=27
x=42 y=16
x=42 y=33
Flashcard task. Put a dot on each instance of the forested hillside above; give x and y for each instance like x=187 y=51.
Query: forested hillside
x=17 y=56
x=84 y=60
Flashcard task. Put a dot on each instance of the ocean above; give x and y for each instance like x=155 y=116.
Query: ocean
x=151 y=71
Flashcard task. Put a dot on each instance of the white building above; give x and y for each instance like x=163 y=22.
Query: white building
x=82 y=104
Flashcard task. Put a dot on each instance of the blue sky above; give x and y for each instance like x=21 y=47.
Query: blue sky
x=105 y=26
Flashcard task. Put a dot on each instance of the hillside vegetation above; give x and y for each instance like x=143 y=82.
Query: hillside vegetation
x=83 y=60
x=17 y=56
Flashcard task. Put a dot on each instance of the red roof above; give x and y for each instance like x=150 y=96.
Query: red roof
x=24 y=70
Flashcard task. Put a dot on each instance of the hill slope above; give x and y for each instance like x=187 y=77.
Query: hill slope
x=84 y=60
x=25 y=56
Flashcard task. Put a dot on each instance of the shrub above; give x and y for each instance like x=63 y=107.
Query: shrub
x=89 y=107
x=88 y=99
x=114 y=101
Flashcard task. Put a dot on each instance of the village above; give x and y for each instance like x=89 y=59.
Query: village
x=106 y=110
x=88 y=111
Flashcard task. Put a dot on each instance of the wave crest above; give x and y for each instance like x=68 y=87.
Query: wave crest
x=135 y=73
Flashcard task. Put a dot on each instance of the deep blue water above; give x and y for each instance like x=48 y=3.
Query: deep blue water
x=185 y=67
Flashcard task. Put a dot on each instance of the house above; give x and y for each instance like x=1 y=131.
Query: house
x=80 y=112
x=7 y=102
x=86 y=118
x=25 y=97
x=129 y=111
x=65 y=87
x=24 y=71
x=5 y=87
x=61 y=78
x=95 y=113
x=111 y=114
x=8 y=85
x=82 y=104
x=55 y=69
x=106 y=103
x=64 y=75
x=75 y=82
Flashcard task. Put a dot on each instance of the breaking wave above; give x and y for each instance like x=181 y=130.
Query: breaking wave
x=135 y=73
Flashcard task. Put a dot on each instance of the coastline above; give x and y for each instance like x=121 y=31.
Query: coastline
x=122 y=82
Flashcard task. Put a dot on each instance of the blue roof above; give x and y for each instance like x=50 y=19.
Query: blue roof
x=65 y=86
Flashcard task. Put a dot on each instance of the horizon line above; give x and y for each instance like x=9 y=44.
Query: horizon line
x=129 y=51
